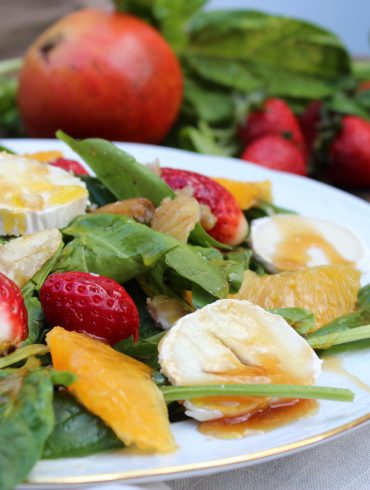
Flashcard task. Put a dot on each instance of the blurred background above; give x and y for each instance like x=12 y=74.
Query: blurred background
x=22 y=20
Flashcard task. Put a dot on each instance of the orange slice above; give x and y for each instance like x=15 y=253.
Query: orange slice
x=328 y=291
x=115 y=387
x=247 y=194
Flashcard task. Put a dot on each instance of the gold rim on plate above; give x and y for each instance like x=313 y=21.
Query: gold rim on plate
x=207 y=465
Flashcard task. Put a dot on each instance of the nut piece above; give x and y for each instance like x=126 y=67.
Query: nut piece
x=165 y=311
x=22 y=257
x=177 y=217
x=139 y=208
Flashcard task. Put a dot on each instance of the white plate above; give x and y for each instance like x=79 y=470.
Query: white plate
x=197 y=453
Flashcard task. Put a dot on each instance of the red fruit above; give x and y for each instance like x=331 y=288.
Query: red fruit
x=276 y=153
x=97 y=73
x=349 y=154
x=88 y=303
x=363 y=86
x=231 y=226
x=310 y=120
x=275 y=117
x=13 y=314
x=69 y=166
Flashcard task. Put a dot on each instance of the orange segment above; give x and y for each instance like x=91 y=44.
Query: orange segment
x=247 y=194
x=44 y=156
x=115 y=387
x=328 y=291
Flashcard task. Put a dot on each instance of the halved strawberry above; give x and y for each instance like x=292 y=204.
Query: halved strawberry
x=89 y=303
x=70 y=166
x=13 y=315
x=231 y=226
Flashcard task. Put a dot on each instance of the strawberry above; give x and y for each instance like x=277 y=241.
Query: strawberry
x=310 y=120
x=89 y=303
x=69 y=166
x=275 y=117
x=13 y=315
x=276 y=153
x=349 y=154
x=231 y=226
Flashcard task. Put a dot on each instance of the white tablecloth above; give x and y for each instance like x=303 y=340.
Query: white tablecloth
x=341 y=464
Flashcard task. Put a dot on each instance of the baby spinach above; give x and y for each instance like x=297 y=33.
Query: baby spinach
x=146 y=350
x=118 y=247
x=77 y=432
x=302 y=320
x=98 y=193
x=26 y=421
x=147 y=326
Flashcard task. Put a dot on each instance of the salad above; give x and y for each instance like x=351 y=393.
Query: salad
x=141 y=295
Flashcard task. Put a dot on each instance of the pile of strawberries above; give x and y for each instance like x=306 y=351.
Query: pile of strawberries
x=337 y=150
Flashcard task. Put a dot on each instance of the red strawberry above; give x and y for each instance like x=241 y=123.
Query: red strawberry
x=349 y=154
x=231 y=226
x=275 y=117
x=13 y=314
x=70 y=166
x=276 y=153
x=310 y=120
x=88 y=303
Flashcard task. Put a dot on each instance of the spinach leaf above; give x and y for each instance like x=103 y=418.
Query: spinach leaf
x=26 y=421
x=121 y=174
x=364 y=296
x=248 y=50
x=263 y=209
x=118 y=247
x=302 y=320
x=125 y=178
x=77 y=432
x=98 y=193
x=146 y=350
x=36 y=320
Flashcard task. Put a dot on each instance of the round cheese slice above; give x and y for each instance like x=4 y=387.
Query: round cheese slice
x=289 y=242
x=35 y=196
x=230 y=342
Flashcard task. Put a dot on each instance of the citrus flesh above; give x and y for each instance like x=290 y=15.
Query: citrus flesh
x=247 y=194
x=328 y=291
x=115 y=387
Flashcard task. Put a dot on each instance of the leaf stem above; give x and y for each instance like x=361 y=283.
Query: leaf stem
x=173 y=393
x=23 y=353
x=326 y=341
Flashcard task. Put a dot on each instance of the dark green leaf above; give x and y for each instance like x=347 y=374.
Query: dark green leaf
x=263 y=209
x=26 y=421
x=364 y=296
x=300 y=319
x=98 y=193
x=146 y=350
x=77 y=432
x=248 y=50
x=36 y=320
x=346 y=104
x=201 y=298
x=6 y=149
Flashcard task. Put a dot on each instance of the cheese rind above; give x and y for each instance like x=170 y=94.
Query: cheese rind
x=35 y=196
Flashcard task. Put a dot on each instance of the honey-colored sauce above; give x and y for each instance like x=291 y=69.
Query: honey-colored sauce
x=266 y=419
x=298 y=239
x=335 y=365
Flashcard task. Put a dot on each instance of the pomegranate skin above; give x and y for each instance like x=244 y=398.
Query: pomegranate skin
x=100 y=74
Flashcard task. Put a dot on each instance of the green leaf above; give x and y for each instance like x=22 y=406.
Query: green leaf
x=248 y=50
x=118 y=247
x=349 y=335
x=364 y=296
x=63 y=378
x=302 y=320
x=146 y=350
x=345 y=104
x=7 y=150
x=172 y=393
x=36 y=320
x=263 y=209
x=241 y=255
x=121 y=174
x=98 y=193
x=26 y=421
x=77 y=432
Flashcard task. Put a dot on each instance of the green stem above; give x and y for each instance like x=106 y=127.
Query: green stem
x=173 y=393
x=326 y=341
x=10 y=66
x=23 y=353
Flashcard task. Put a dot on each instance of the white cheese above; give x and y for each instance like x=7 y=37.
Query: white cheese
x=35 y=196
x=230 y=342
x=290 y=242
